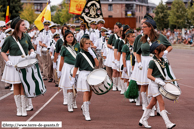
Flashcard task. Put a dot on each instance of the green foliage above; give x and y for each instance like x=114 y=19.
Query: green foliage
x=62 y=14
x=14 y=9
x=161 y=16
x=1 y=15
x=28 y=10
x=53 y=8
x=190 y=12
x=178 y=14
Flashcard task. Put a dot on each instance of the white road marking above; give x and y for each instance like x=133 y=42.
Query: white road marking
x=8 y=94
x=36 y=113
x=186 y=85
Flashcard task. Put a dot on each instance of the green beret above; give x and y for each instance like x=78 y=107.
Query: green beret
x=67 y=31
x=129 y=31
x=119 y=24
x=125 y=27
x=152 y=22
x=154 y=45
x=85 y=36
x=14 y=22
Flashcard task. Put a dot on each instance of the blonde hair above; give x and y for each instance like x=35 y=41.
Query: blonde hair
x=82 y=42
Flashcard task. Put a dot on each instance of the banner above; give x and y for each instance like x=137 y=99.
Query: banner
x=76 y=6
x=45 y=15
x=91 y=11
x=7 y=18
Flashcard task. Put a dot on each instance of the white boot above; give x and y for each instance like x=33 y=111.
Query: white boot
x=138 y=100
x=144 y=100
x=169 y=124
x=17 y=99
x=64 y=96
x=82 y=108
x=158 y=109
x=23 y=103
x=70 y=101
x=74 y=102
x=29 y=105
x=119 y=86
x=12 y=88
x=86 y=111
x=153 y=109
x=122 y=87
x=114 y=87
x=143 y=121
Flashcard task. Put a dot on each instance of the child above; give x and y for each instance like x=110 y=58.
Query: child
x=85 y=66
x=68 y=53
x=156 y=79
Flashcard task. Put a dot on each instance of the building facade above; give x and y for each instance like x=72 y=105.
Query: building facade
x=39 y=5
x=169 y=3
x=126 y=8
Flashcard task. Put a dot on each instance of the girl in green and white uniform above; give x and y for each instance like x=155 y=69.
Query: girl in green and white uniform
x=85 y=69
x=68 y=53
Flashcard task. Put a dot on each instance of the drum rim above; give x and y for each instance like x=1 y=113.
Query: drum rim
x=175 y=86
x=93 y=72
x=26 y=66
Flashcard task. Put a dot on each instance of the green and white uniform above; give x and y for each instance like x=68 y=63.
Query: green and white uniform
x=69 y=53
x=85 y=69
x=10 y=75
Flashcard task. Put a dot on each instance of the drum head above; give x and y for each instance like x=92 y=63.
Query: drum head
x=172 y=89
x=96 y=77
x=26 y=63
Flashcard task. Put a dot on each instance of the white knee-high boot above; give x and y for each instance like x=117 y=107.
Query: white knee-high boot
x=143 y=121
x=122 y=87
x=74 y=101
x=23 y=103
x=158 y=109
x=64 y=96
x=86 y=110
x=70 y=101
x=119 y=86
x=153 y=111
x=114 y=88
x=17 y=99
x=29 y=104
x=169 y=124
x=144 y=100
x=138 y=100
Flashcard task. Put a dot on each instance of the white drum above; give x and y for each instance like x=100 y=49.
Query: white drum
x=99 y=81
x=170 y=91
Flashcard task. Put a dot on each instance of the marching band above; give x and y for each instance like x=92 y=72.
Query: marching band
x=67 y=57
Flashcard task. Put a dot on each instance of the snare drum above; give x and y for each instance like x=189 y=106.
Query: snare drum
x=31 y=79
x=99 y=81
x=170 y=91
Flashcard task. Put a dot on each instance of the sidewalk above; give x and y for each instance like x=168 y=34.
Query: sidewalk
x=182 y=46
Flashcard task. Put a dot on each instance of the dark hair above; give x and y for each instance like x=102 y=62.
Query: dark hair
x=65 y=42
x=160 y=48
x=127 y=36
x=153 y=34
x=84 y=28
x=123 y=32
x=17 y=29
x=63 y=28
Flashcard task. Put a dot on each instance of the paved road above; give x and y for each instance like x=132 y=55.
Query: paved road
x=112 y=111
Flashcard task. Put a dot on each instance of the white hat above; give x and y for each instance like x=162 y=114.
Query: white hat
x=8 y=31
x=9 y=22
x=46 y=22
x=27 y=24
x=2 y=23
x=100 y=21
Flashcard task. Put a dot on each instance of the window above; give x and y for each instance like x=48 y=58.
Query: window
x=110 y=7
x=109 y=15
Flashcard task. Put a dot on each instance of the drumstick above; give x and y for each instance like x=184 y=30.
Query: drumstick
x=74 y=93
x=173 y=80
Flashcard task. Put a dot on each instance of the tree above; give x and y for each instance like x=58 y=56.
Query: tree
x=62 y=14
x=1 y=15
x=28 y=13
x=161 y=16
x=53 y=8
x=14 y=9
x=178 y=14
x=190 y=12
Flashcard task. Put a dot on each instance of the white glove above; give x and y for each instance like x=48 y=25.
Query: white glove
x=72 y=82
x=9 y=63
x=32 y=55
x=54 y=65
x=125 y=69
x=59 y=74
x=91 y=52
x=52 y=57
x=160 y=82
x=165 y=54
x=140 y=66
x=113 y=47
x=117 y=63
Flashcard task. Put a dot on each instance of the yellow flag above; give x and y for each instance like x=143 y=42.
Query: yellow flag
x=76 y=6
x=45 y=15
